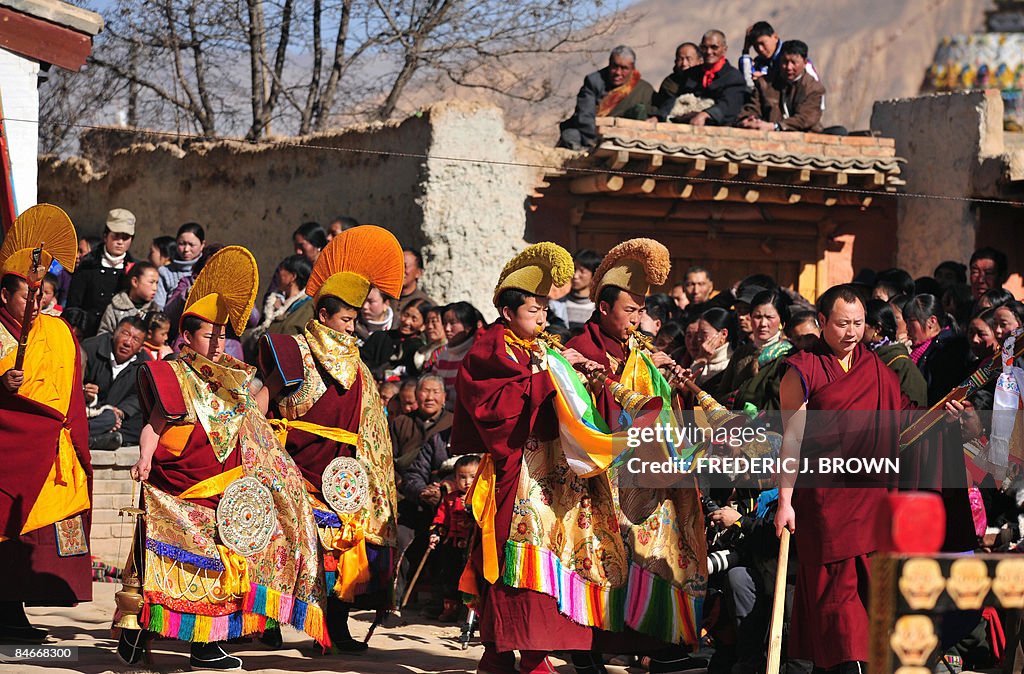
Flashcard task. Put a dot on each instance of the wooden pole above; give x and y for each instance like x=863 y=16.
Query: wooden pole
x=416 y=576
x=778 y=606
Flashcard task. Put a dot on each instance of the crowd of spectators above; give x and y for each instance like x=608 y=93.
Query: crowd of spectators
x=778 y=89
x=933 y=332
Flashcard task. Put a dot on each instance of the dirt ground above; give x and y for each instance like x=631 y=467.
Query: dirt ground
x=421 y=646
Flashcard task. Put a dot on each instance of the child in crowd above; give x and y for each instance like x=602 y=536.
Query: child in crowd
x=49 y=290
x=162 y=251
x=158 y=327
x=136 y=299
x=388 y=390
x=451 y=528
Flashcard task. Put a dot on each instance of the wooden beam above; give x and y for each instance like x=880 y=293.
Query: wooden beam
x=43 y=41
x=755 y=174
x=751 y=196
x=673 y=189
x=800 y=177
x=726 y=171
x=596 y=183
x=638 y=186
x=654 y=162
x=696 y=167
x=719 y=192
x=874 y=180
x=618 y=160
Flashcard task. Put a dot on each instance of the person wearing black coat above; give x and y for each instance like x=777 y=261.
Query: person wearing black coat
x=715 y=79
x=110 y=377
x=938 y=351
x=98 y=276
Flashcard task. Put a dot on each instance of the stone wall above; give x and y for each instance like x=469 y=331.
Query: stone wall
x=112 y=490
x=944 y=139
x=412 y=177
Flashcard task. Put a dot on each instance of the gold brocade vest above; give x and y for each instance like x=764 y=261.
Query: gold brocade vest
x=374 y=448
x=217 y=394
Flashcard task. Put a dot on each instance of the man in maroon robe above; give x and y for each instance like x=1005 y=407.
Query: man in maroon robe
x=856 y=401
x=38 y=568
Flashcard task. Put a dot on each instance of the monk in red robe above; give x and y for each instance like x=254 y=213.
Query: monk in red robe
x=859 y=410
x=326 y=400
x=208 y=578
x=504 y=408
x=46 y=483
x=611 y=339
x=836 y=526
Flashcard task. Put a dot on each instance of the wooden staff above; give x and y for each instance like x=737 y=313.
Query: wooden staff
x=778 y=606
x=415 y=577
x=30 y=308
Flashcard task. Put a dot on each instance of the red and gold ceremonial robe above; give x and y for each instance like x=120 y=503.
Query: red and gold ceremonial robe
x=329 y=407
x=666 y=541
x=196 y=588
x=46 y=484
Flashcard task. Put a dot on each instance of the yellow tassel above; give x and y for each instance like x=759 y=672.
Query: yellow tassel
x=203 y=628
x=273 y=604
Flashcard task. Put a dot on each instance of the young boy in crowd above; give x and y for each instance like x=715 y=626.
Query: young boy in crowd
x=142 y=280
x=158 y=328
x=451 y=528
x=49 y=290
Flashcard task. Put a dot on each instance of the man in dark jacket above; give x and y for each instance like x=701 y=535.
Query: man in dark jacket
x=614 y=91
x=790 y=99
x=98 y=276
x=715 y=79
x=111 y=391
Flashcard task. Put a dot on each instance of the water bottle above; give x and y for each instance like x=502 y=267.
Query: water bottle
x=747 y=68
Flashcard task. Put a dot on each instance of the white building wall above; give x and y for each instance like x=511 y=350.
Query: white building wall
x=20 y=98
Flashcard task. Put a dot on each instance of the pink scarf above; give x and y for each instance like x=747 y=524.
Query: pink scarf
x=918 y=351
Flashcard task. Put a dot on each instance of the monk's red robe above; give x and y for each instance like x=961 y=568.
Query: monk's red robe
x=596 y=345
x=177 y=468
x=856 y=414
x=281 y=367
x=30 y=566
x=500 y=404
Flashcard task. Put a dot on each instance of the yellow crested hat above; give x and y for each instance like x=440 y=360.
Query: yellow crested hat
x=42 y=225
x=536 y=270
x=634 y=266
x=355 y=260
x=225 y=289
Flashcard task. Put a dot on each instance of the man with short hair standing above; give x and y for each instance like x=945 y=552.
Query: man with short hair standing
x=98 y=277
x=411 y=287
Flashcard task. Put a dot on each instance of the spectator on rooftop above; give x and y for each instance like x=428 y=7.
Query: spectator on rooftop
x=716 y=80
x=789 y=100
x=768 y=48
x=687 y=56
x=616 y=90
